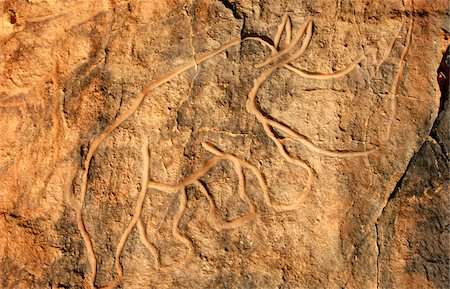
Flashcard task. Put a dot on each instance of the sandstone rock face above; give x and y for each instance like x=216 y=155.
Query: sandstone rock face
x=224 y=144
x=414 y=227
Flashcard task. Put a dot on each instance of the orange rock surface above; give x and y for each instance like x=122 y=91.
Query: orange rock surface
x=224 y=144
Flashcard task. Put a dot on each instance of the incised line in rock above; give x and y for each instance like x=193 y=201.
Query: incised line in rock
x=252 y=107
x=193 y=179
x=269 y=124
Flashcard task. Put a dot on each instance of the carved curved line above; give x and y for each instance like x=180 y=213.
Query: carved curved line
x=262 y=42
x=260 y=177
x=296 y=161
x=239 y=171
x=177 y=219
x=288 y=30
x=308 y=29
x=398 y=77
x=175 y=232
x=305 y=26
x=316 y=75
x=311 y=146
x=251 y=101
x=251 y=107
x=238 y=163
x=214 y=220
x=136 y=103
x=211 y=148
x=322 y=75
x=193 y=179
x=144 y=239
x=89 y=247
x=241 y=188
x=265 y=188
x=134 y=219
x=281 y=27
x=117 y=122
x=172 y=188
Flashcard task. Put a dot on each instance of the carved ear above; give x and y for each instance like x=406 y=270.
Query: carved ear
x=285 y=26
x=290 y=40
x=288 y=29
x=306 y=30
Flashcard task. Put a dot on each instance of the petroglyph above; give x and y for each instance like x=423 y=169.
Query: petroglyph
x=281 y=57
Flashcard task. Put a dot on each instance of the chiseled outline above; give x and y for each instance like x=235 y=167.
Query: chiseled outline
x=276 y=60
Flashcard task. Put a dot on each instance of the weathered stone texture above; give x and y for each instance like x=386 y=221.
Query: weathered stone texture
x=327 y=169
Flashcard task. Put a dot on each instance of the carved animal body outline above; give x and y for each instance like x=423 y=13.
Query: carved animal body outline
x=276 y=60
